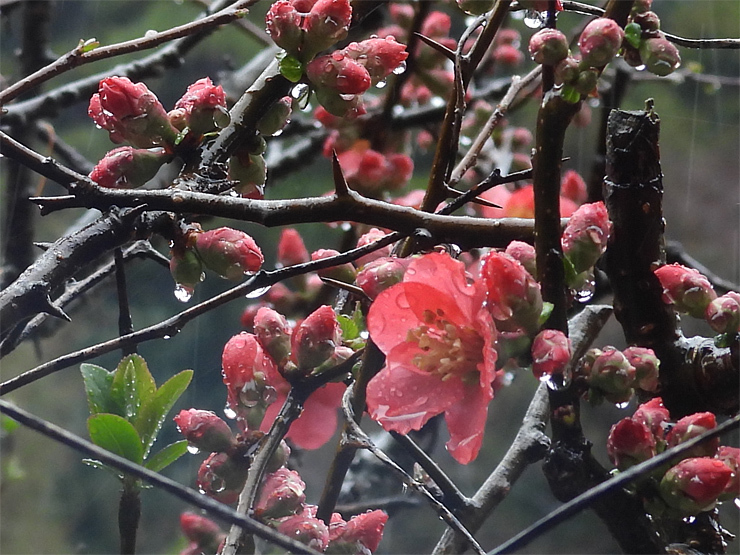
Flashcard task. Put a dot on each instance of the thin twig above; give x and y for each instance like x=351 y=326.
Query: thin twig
x=188 y=495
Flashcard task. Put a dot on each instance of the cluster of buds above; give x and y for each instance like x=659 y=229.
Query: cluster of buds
x=707 y=473
x=340 y=78
x=613 y=374
x=131 y=113
x=204 y=535
x=230 y=253
x=373 y=173
x=282 y=505
x=690 y=292
x=645 y=45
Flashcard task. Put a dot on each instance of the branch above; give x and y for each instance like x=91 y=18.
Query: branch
x=188 y=495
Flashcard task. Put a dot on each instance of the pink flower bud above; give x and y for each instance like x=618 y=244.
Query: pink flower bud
x=693 y=485
x=612 y=375
x=548 y=46
x=201 y=531
x=507 y=55
x=203 y=107
x=315 y=339
x=306 y=528
x=370 y=237
x=731 y=457
x=692 y=426
x=381 y=273
x=630 y=442
x=291 y=249
x=131 y=112
x=222 y=477
x=660 y=56
x=326 y=24
x=513 y=296
x=340 y=105
x=186 y=269
x=685 y=288
x=229 y=252
x=654 y=415
x=343 y=272
x=284 y=26
x=585 y=237
x=273 y=332
x=125 y=167
x=340 y=73
x=521 y=137
x=600 y=41
x=361 y=534
x=723 y=313
x=379 y=56
x=525 y=254
x=402 y=14
x=648 y=21
x=646 y=367
x=551 y=352
x=436 y=25
x=282 y=494
x=573 y=186
x=204 y=430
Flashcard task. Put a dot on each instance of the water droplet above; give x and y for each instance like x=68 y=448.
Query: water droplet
x=218 y=485
x=346 y=226
x=437 y=101
x=300 y=90
x=269 y=395
x=586 y=291
x=193 y=450
x=737 y=502
x=277 y=133
x=150 y=33
x=400 y=68
x=533 y=19
x=466 y=141
x=229 y=412
x=623 y=405
x=381 y=84
x=165 y=337
x=689 y=519
x=347 y=97
x=183 y=293
x=256 y=293
x=641 y=67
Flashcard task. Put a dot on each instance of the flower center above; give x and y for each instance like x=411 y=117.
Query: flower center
x=447 y=350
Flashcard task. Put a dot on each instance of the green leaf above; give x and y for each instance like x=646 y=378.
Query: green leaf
x=98 y=382
x=349 y=327
x=7 y=424
x=291 y=68
x=546 y=311
x=152 y=414
x=571 y=275
x=117 y=435
x=133 y=386
x=569 y=94
x=633 y=34
x=88 y=45
x=167 y=455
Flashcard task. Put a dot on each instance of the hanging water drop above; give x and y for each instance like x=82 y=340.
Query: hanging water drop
x=256 y=293
x=183 y=293
x=347 y=97
x=277 y=133
x=300 y=90
x=532 y=19
x=229 y=412
x=641 y=67
x=193 y=450
x=623 y=405
x=381 y=84
x=400 y=68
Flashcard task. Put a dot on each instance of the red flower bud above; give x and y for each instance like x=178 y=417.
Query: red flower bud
x=525 y=254
x=284 y=26
x=630 y=442
x=379 y=274
x=548 y=46
x=291 y=249
x=685 y=288
x=361 y=534
x=204 y=534
x=653 y=414
x=723 y=313
x=343 y=272
x=315 y=339
x=204 y=430
x=513 y=298
x=540 y=5
x=600 y=41
x=131 y=112
x=340 y=105
x=222 y=477
x=370 y=237
x=551 y=352
x=585 y=237
x=339 y=72
x=203 y=107
x=693 y=485
x=229 y=252
x=646 y=367
x=731 y=457
x=660 y=56
x=125 y=167
x=692 y=426
x=326 y=24
x=507 y=55
x=573 y=186
x=306 y=528
x=273 y=332
x=379 y=56
x=282 y=494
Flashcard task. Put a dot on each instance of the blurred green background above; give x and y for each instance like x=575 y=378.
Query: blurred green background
x=51 y=503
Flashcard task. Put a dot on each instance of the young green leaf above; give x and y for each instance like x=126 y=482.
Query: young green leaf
x=117 y=435
x=167 y=455
x=98 y=382
x=152 y=414
x=133 y=386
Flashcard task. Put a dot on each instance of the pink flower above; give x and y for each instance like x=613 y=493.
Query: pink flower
x=131 y=112
x=585 y=237
x=370 y=237
x=379 y=56
x=340 y=73
x=440 y=352
x=204 y=430
x=508 y=55
x=551 y=352
x=521 y=204
x=380 y=274
x=273 y=333
x=125 y=167
x=229 y=252
x=369 y=171
x=693 y=485
x=630 y=442
x=342 y=272
x=731 y=457
x=685 y=288
x=612 y=376
x=525 y=254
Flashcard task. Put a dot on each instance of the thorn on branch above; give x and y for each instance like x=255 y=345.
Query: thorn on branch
x=340 y=183
x=442 y=49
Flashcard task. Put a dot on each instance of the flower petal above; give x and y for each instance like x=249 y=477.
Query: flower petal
x=466 y=422
x=318 y=422
x=402 y=399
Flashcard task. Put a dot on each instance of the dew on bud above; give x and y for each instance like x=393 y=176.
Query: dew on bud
x=400 y=69
x=533 y=19
x=229 y=412
x=183 y=294
x=193 y=450
x=381 y=84
x=299 y=91
x=256 y=293
x=277 y=133
x=508 y=379
x=347 y=97
x=269 y=395
x=346 y=226
x=623 y=405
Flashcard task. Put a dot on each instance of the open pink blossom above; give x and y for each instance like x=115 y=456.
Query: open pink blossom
x=439 y=344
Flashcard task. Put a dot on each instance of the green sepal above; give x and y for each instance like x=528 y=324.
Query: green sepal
x=117 y=435
x=571 y=275
x=633 y=34
x=291 y=68
x=152 y=414
x=570 y=94
x=726 y=340
x=98 y=382
x=546 y=311
x=167 y=455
